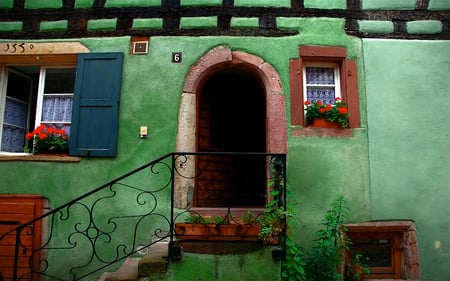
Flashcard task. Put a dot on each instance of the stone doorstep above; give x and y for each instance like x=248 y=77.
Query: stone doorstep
x=155 y=262
x=388 y=279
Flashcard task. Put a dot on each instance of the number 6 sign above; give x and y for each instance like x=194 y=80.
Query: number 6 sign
x=176 y=57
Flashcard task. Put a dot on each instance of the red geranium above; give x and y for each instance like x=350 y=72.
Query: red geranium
x=334 y=113
x=48 y=138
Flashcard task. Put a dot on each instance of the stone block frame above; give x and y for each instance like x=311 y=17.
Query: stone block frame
x=219 y=58
x=405 y=250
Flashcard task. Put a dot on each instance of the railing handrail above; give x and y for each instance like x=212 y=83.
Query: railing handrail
x=77 y=229
x=57 y=209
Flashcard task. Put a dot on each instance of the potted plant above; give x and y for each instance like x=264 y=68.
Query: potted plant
x=272 y=223
x=266 y=227
x=337 y=113
x=218 y=228
x=48 y=139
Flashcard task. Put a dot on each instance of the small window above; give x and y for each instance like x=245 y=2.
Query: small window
x=79 y=93
x=378 y=252
x=384 y=247
x=321 y=82
x=323 y=73
x=55 y=107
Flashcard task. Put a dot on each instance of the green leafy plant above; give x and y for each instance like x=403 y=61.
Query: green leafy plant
x=48 y=138
x=271 y=225
x=293 y=267
x=327 y=259
x=216 y=220
x=333 y=113
x=247 y=218
x=272 y=222
x=355 y=268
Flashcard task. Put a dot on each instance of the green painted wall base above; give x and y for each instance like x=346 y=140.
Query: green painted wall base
x=254 y=266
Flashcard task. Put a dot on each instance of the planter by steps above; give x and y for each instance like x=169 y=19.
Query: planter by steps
x=212 y=232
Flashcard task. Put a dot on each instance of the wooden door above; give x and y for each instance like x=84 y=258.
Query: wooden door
x=16 y=210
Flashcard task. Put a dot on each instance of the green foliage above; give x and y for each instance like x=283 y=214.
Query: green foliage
x=356 y=268
x=197 y=219
x=328 y=255
x=272 y=222
x=293 y=267
x=47 y=139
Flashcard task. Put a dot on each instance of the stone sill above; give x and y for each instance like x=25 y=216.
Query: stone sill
x=39 y=158
x=381 y=226
x=220 y=211
x=321 y=132
x=386 y=279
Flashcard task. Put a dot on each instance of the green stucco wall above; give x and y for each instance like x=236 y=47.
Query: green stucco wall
x=408 y=118
x=320 y=168
x=394 y=167
x=203 y=267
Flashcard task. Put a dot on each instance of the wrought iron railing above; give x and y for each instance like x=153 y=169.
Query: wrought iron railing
x=92 y=233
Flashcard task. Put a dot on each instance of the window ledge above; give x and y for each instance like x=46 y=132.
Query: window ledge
x=321 y=132
x=385 y=279
x=219 y=211
x=39 y=158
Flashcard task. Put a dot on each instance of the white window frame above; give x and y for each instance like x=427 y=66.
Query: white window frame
x=337 y=80
x=39 y=99
x=3 y=89
x=41 y=94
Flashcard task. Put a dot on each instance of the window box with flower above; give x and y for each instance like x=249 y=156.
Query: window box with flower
x=48 y=139
x=321 y=115
x=266 y=227
x=218 y=228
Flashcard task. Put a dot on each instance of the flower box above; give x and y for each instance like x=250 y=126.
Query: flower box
x=323 y=123
x=221 y=232
x=336 y=114
x=48 y=139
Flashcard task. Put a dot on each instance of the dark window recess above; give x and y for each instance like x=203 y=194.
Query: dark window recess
x=348 y=81
x=385 y=247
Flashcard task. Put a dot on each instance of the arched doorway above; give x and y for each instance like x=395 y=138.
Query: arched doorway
x=231 y=117
x=242 y=70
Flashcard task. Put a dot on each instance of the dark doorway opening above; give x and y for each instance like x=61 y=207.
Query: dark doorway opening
x=231 y=118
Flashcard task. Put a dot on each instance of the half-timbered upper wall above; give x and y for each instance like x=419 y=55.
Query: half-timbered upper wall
x=403 y=19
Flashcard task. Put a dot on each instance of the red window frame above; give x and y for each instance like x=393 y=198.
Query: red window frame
x=348 y=79
x=392 y=271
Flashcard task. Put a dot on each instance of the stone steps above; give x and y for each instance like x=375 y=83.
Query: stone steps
x=152 y=266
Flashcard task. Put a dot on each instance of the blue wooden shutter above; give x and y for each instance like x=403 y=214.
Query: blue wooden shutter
x=95 y=113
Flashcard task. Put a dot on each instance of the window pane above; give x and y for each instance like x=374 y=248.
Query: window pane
x=377 y=252
x=320 y=75
x=15 y=117
x=16 y=113
x=57 y=109
x=13 y=139
x=324 y=94
x=59 y=80
x=18 y=87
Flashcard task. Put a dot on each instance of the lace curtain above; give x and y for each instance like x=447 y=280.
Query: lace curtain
x=55 y=110
x=320 y=84
x=14 y=125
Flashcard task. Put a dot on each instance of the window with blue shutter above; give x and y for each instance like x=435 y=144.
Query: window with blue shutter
x=95 y=113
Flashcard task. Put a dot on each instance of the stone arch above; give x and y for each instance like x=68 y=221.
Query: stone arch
x=220 y=58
